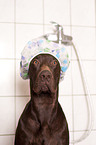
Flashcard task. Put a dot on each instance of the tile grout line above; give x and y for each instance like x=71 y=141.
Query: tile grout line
x=95 y=21
x=6 y=135
x=48 y=24
x=95 y=15
x=71 y=77
x=76 y=131
x=15 y=60
x=61 y=95
x=43 y=17
x=93 y=130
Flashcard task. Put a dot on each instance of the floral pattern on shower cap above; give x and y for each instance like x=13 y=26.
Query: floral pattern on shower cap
x=43 y=46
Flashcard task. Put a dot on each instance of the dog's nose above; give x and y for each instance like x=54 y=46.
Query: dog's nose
x=45 y=75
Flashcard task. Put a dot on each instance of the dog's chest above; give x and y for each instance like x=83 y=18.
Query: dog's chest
x=44 y=112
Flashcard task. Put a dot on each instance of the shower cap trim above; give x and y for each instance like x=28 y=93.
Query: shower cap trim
x=43 y=46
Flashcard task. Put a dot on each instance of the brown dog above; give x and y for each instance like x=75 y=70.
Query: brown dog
x=43 y=121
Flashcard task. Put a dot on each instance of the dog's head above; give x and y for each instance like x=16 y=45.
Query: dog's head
x=44 y=74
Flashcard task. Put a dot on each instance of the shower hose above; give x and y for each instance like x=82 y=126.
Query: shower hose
x=88 y=100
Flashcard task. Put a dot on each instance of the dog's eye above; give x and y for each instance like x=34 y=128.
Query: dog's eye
x=54 y=62
x=36 y=62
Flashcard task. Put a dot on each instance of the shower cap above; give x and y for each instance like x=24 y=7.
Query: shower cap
x=43 y=46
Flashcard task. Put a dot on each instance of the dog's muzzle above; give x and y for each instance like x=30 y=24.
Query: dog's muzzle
x=44 y=81
x=45 y=78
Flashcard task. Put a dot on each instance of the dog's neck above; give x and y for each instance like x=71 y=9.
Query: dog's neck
x=45 y=103
x=44 y=97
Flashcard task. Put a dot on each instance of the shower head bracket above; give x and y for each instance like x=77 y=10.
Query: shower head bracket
x=58 y=36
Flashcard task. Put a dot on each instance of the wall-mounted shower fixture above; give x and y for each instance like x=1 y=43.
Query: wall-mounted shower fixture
x=58 y=36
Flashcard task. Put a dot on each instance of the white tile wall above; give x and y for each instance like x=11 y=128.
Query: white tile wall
x=76 y=79
x=7 y=140
x=80 y=113
x=24 y=33
x=23 y=20
x=65 y=86
x=58 y=11
x=93 y=102
x=7 y=115
x=90 y=71
x=91 y=139
x=70 y=137
x=7 y=11
x=7 y=77
x=6 y=40
x=85 y=40
x=83 y=12
x=30 y=11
